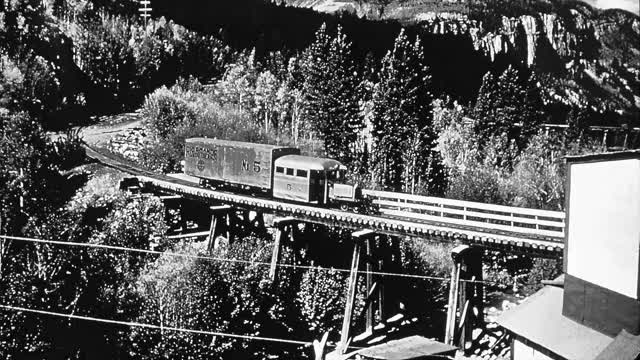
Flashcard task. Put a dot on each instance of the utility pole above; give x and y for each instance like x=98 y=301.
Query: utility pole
x=145 y=10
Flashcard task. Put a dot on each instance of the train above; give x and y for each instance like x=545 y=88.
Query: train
x=273 y=171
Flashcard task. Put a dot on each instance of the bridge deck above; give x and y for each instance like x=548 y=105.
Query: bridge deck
x=393 y=224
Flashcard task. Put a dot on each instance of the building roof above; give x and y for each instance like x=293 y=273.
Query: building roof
x=237 y=144
x=539 y=320
x=307 y=162
x=605 y=156
x=413 y=347
x=624 y=347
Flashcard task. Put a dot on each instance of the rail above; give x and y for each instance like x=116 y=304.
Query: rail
x=471 y=214
x=404 y=224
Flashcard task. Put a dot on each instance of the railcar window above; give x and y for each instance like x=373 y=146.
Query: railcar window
x=279 y=169
x=301 y=173
x=289 y=171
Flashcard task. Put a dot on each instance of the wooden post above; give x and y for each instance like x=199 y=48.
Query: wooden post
x=463 y=305
x=275 y=255
x=219 y=221
x=259 y=220
x=474 y=293
x=467 y=263
x=370 y=317
x=212 y=233
x=227 y=221
x=351 y=297
x=293 y=235
x=391 y=264
x=456 y=255
x=383 y=251
x=367 y=237
x=283 y=226
x=453 y=305
x=182 y=223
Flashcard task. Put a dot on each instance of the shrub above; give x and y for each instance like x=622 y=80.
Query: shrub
x=321 y=300
x=542 y=269
x=538 y=176
x=69 y=152
x=30 y=169
x=163 y=110
x=186 y=111
x=220 y=296
x=162 y=157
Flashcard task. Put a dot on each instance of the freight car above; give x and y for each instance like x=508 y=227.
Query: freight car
x=276 y=171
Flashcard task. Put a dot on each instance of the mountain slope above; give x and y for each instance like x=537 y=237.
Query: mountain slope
x=589 y=57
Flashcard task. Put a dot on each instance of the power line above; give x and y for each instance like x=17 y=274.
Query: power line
x=219 y=259
x=156 y=327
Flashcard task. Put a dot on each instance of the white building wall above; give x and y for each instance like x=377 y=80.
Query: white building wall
x=604 y=224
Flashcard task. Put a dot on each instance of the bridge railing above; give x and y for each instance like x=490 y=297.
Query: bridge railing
x=473 y=214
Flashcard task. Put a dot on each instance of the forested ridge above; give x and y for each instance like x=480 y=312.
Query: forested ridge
x=404 y=109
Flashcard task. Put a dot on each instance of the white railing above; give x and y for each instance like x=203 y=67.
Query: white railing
x=473 y=214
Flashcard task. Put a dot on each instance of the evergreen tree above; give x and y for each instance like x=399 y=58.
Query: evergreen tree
x=508 y=106
x=401 y=119
x=330 y=89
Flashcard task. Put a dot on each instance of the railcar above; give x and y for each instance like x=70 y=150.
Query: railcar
x=275 y=171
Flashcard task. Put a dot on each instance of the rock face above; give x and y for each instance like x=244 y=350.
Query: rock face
x=591 y=56
x=129 y=144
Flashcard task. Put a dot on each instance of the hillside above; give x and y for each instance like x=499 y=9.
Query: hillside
x=590 y=57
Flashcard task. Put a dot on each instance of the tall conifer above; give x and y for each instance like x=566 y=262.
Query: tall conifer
x=508 y=106
x=402 y=132
x=330 y=90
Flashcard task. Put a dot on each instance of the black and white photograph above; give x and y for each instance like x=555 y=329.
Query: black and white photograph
x=320 y=179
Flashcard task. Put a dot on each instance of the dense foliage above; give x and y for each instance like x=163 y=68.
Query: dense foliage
x=33 y=178
x=331 y=94
x=401 y=118
x=65 y=60
x=386 y=118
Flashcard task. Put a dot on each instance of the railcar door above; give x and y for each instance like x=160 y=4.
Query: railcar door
x=317 y=189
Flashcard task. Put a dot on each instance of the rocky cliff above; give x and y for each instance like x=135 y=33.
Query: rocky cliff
x=586 y=57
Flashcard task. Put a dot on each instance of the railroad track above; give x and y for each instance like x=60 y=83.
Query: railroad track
x=416 y=220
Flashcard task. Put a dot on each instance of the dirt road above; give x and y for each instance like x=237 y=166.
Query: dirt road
x=100 y=134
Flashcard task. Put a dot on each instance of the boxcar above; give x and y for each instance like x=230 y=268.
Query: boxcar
x=233 y=162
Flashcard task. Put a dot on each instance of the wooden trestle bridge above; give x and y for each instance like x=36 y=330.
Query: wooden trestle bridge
x=471 y=225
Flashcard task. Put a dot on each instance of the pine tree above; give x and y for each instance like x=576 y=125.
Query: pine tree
x=507 y=106
x=402 y=133
x=330 y=90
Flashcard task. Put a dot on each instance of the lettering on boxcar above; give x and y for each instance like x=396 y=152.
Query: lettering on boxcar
x=256 y=166
x=245 y=165
x=202 y=152
x=200 y=165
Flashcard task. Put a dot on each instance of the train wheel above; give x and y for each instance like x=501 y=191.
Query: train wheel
x=344 y=207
